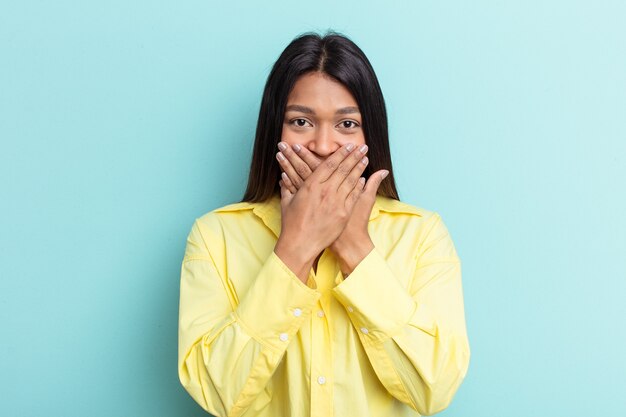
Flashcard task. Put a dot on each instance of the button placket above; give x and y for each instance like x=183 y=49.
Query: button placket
x=321 y=361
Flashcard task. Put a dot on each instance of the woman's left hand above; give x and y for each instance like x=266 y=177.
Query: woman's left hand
x=354 y=243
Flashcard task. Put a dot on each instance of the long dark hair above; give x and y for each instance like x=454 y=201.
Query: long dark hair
x=340 y=58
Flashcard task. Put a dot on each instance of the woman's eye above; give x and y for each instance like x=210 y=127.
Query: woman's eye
x=348 y=124
x=299 y=122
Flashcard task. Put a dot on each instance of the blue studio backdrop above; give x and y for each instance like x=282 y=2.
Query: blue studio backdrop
x=121 y=122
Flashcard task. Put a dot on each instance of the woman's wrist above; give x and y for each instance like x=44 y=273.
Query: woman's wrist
x=298 y=258
x=350 y=254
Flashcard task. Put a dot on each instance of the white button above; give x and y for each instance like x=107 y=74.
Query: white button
x=364 y=330
x=321 y=380
x=297 y=312
x=350 y=309
x=284 y=337
x=320 y=314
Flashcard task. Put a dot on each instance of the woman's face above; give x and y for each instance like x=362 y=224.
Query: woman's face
x=321 y=115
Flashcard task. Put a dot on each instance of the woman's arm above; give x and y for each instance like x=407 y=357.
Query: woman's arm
x=415 y=338
x=229 y=348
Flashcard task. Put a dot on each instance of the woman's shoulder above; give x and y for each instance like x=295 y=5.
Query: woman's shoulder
x=391 y=205
x=402 y=219
x=238 y=207
x=239 y=212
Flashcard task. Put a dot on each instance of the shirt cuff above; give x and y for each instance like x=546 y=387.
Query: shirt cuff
x=276 y=304
x=377 y=303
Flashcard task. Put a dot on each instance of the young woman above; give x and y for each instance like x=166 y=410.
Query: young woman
x=320 y=293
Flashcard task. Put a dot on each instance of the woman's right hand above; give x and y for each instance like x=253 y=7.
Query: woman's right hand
x=313 y=217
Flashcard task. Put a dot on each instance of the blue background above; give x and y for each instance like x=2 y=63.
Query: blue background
x=121 y=122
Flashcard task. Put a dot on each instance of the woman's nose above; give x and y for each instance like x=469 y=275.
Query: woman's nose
x=324 y=143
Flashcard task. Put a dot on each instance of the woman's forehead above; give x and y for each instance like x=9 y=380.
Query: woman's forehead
x=315 y=92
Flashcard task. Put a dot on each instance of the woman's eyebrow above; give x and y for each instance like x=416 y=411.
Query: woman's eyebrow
x=301 y=109
x=308 y=110
x=348 y=110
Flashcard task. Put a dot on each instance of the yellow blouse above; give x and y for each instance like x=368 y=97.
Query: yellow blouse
x=388 y=340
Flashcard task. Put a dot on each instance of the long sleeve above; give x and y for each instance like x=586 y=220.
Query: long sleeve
x=415 y=335
x=228 y=348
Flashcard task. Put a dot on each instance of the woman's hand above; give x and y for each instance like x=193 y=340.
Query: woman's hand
x=316 y=215
x=354 y=242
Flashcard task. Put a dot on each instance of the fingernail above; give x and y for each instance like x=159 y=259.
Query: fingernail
x=384 y=174
x=350 y=147
x=363 y=148
x=296 y=147
x=280 y=156
x=285 y=177
x=364 y=160
x=282 y=146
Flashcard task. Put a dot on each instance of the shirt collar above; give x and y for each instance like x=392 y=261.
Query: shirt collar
x=269 y=210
